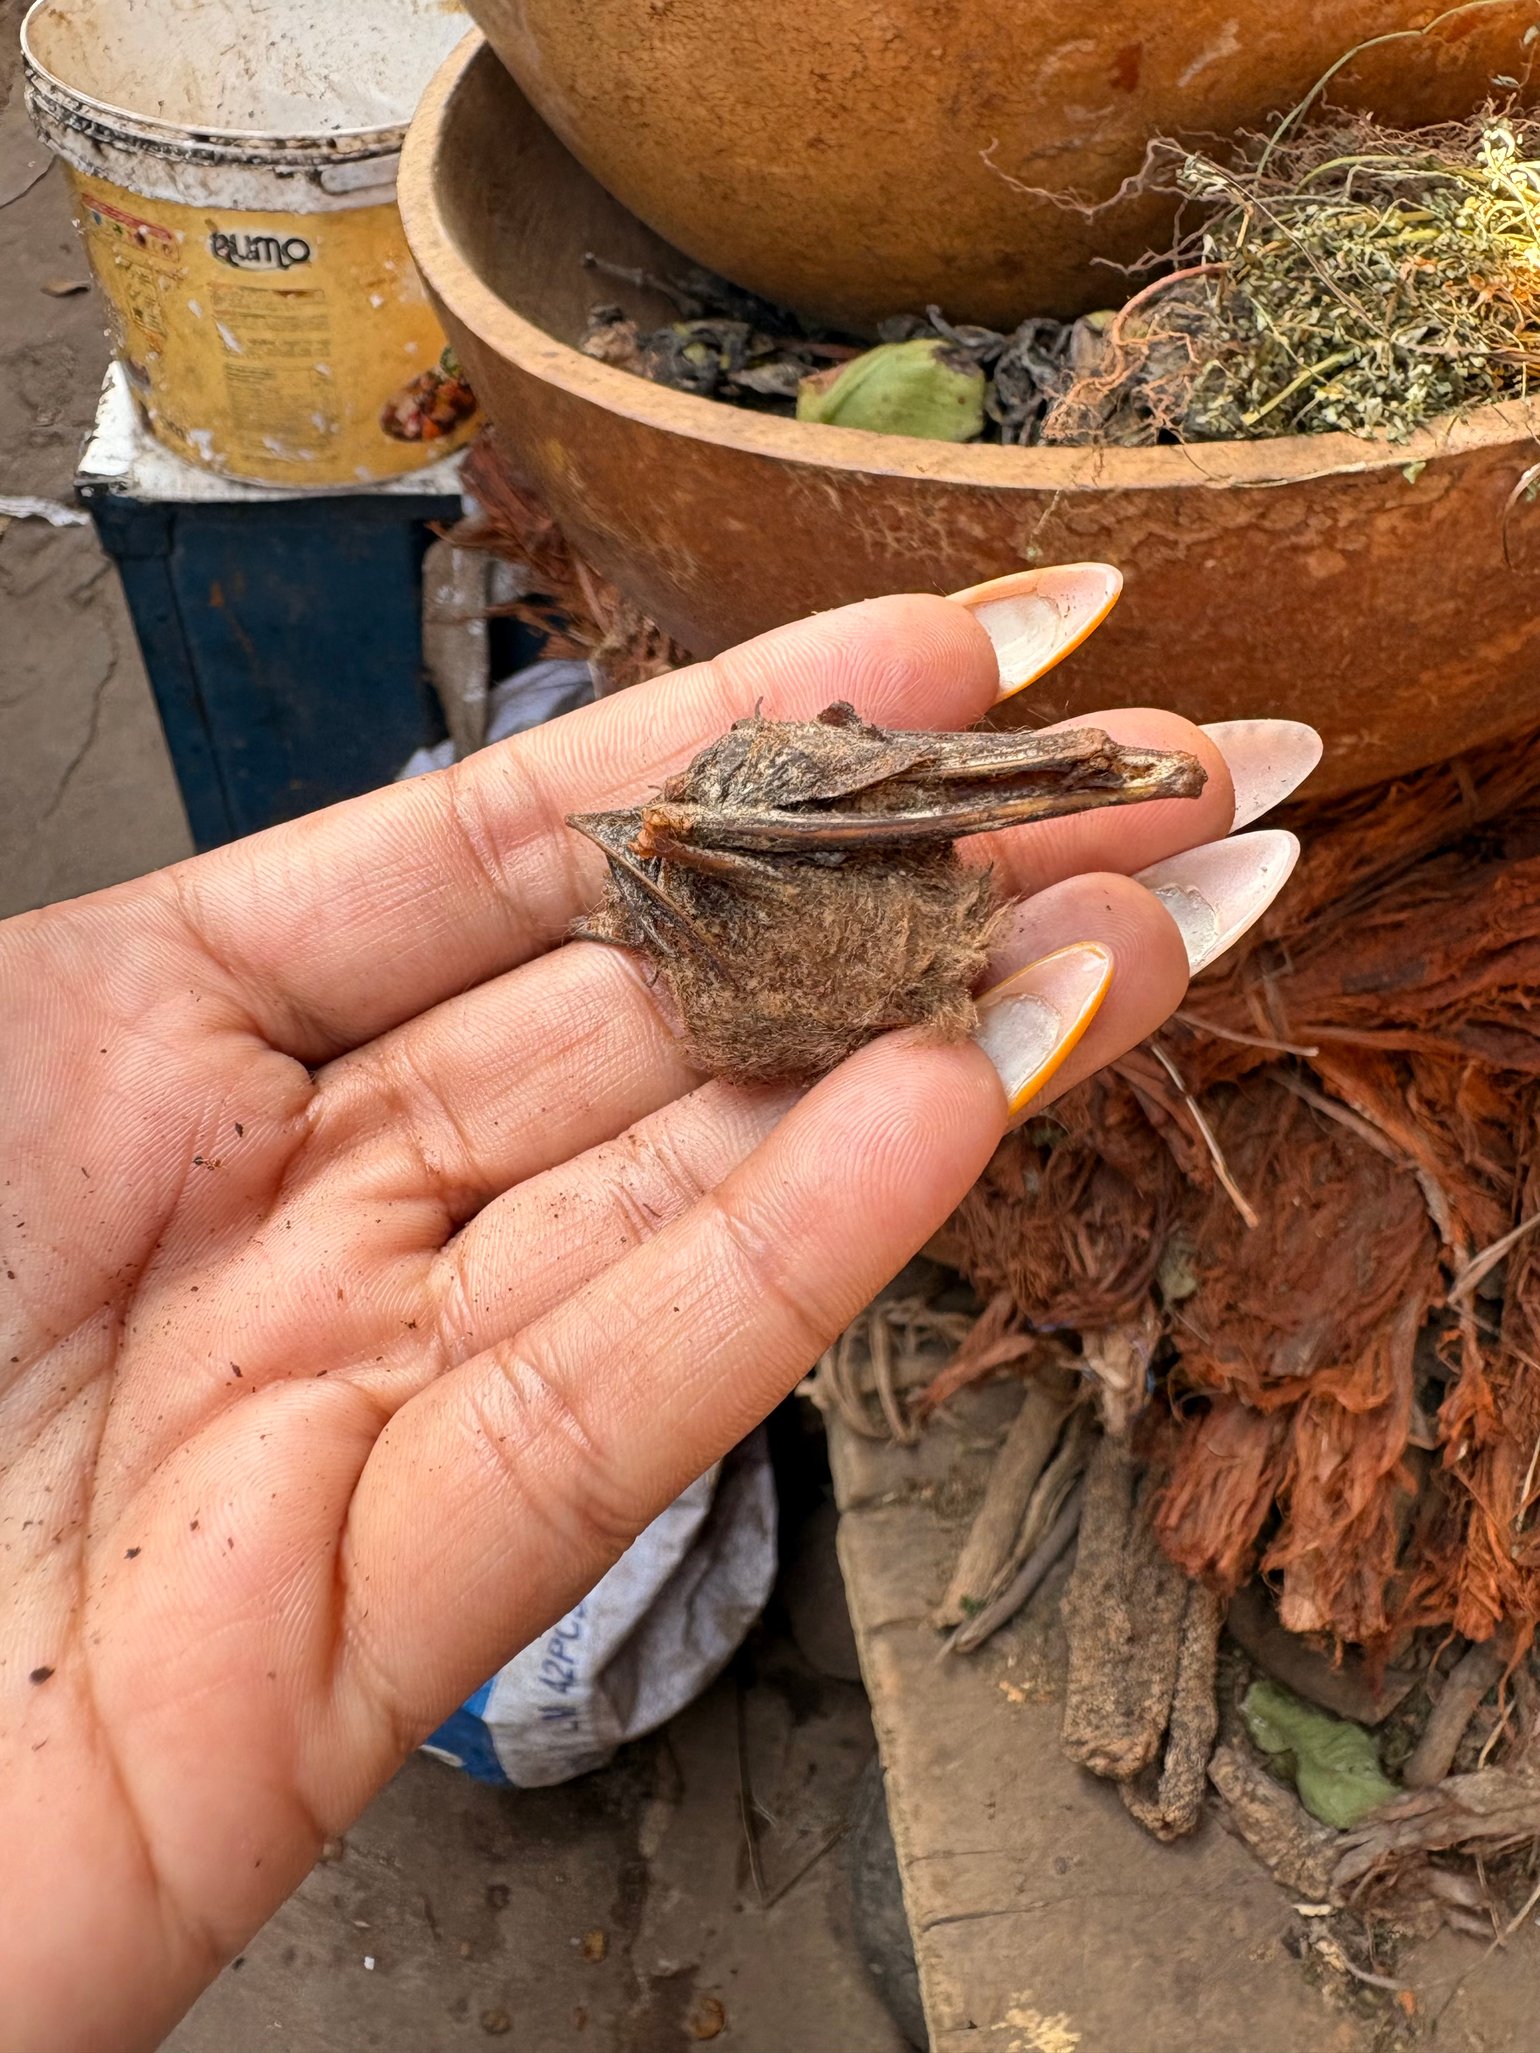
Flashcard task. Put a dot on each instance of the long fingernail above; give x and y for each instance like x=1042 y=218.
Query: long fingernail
x=1032 y=1022
x=1267 y=759
x=1218 y=892
x=1036 y=617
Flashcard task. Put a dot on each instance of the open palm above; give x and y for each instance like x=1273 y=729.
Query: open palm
x=374 y=1270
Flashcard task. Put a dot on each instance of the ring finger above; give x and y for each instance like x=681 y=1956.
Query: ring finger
x=509 y=1266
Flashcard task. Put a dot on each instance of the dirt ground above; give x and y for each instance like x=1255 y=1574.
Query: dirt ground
x=619 y=1913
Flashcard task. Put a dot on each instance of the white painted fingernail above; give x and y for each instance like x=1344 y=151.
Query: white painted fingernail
x=1267 y=759
x=1036 y=617
x=1032 y=1022
x=1218 y=892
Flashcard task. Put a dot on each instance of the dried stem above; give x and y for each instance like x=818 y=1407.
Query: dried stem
x=1477 y=1671
x=1023 y=1455
x=1026 y=1582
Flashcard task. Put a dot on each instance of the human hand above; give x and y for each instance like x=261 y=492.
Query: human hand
x=374 y=1270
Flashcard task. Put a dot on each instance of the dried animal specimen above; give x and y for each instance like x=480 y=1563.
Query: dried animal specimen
x=798 y=891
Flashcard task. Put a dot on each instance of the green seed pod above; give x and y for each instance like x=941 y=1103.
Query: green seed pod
x=919 y=388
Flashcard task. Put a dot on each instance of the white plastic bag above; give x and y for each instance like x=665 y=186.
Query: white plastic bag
x=645 y=1642
x=527 y=699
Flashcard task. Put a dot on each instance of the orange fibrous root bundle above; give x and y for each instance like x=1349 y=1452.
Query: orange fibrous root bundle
x=1347 y=1393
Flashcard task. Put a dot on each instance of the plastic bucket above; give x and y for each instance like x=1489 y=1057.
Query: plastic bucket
x=234 y=167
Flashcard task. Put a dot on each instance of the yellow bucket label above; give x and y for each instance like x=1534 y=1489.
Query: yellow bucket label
x=289 y=349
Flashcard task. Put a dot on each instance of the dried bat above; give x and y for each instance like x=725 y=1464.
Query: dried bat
x=798 y=889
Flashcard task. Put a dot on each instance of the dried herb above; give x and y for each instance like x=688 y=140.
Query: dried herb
x=762 y=358
x=1349 y=276
x=1341 y=275
x=798 y=891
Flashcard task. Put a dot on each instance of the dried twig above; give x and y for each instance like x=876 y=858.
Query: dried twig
x=879 y=1340
x=1336 y=1954
x=1486 y=1812
x=1329 y=1108
x=1199 y=1025
x=1481 y=1266
x=831 y=1839
x=1479 y=1669
x=1023 y=1455
x=1030 y=1557
x=746 y=1803
x=844 y=1389
x=1027 y=1581
x=1230 y=1187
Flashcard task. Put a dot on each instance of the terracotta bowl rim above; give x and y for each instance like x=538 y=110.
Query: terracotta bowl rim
x=454 y=279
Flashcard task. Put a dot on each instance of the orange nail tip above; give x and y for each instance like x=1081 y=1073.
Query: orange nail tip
x=1032 y=1023
x=1036 y=618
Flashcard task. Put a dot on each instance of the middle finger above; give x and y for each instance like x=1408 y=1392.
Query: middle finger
x=566 y=1052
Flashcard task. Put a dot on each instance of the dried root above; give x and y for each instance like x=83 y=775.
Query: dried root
x=1477 y=1671
x=1272 y=1821
x=984 y=1564
x=1048 y=1525
x=1369 y=1064
x=1139 y=1704
x=1167 y=1797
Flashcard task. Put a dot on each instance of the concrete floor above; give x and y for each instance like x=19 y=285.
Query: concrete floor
x=619 y=1913
x=86 y=792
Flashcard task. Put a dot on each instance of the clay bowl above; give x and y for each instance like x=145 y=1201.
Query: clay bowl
x=859 y=158
x=1389 y=595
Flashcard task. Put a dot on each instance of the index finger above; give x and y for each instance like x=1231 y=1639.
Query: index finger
x=342 y=925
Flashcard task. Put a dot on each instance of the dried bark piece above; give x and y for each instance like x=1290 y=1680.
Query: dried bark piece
x=1272 y=1821
x=1348 y=1686
x=1051 y=1520
x=1036 y=1566
x=1124 y=1613
x=1167 y=1799
x=797 y=889
x=1225 y=1467
x=1485 y=1812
